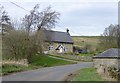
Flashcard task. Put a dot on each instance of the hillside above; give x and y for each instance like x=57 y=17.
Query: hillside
x=82 y=41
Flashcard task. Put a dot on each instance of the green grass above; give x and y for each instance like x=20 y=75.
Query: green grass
x=38 y=61
x=44 y=60
x=66 y=57
x=87 y=74
x=6 y=69
x=10 y=68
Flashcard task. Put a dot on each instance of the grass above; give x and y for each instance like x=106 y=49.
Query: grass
x=81 y=41
x=86 y=54
x=6 y=69
x=87 y=74
x=66 y=57
x=48 y=61
x=38 y=61
x=76 y=57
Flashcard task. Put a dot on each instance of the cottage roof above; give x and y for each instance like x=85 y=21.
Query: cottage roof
x=56 y=36
x=110 y=53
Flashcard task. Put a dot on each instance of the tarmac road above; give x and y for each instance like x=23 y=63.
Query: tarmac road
x=57 y=73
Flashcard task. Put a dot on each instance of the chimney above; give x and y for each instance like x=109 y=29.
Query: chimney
x=67 y=30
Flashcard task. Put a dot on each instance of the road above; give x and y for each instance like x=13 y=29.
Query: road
x=57 y=73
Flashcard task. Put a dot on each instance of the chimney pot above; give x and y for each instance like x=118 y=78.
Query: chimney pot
x=67 y=30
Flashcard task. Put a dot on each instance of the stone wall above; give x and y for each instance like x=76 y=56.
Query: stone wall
x=109 y=67
x=108 y=62
x=69 y=46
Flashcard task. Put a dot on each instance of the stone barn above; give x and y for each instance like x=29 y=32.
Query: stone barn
x=109 y=58
x=58 y=42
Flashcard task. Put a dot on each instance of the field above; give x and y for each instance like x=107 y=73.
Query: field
x=81 y=41
x=91 y=43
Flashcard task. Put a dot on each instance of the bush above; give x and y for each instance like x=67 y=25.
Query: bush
x=11 y=68
x=21 y=45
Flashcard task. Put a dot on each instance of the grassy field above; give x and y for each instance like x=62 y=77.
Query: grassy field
x=81 y=41
x=38 y=61
x=87 y=74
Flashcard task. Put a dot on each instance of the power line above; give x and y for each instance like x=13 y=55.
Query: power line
x=29 y=11
x=18 y=5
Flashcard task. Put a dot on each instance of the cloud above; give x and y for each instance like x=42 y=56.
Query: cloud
x=62 y=1
x=82 y=17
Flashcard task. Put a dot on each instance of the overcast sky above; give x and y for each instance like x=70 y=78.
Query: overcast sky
x=81 y=17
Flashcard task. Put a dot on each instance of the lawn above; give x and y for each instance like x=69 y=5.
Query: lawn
x=87 y=74
x=46 y=61
x=38 y=61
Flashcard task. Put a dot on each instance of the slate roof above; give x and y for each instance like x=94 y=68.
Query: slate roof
x=56 y=36
x=110 y=53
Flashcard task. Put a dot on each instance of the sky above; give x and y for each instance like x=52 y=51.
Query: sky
x=81 y=17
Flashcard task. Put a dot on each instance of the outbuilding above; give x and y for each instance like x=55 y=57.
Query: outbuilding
x=108 y=58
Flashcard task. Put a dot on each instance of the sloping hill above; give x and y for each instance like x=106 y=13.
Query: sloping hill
x=82 y=41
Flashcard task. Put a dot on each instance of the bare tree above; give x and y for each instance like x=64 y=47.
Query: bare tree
x=44 y=19
x=109 y=38
x=48 y=18
x=17 y=24
x=5 y=21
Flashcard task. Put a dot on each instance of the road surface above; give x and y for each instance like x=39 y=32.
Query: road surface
x=57 y=73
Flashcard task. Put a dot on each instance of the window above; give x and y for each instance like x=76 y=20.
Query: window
x=65 y=49
x=51 y=47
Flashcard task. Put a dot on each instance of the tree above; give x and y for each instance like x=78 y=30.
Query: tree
x=109 y=38
x=20 y=43
x=1 y=10
x=5 y=21
x=17 y=24
x=36 y=20
x=44 y=19
x=118 y=33
x=4 y=17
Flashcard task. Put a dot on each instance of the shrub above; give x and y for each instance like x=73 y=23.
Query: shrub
x=21 y=45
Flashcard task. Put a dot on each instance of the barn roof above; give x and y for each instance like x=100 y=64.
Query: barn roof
x=56 y=36
x=110 y=53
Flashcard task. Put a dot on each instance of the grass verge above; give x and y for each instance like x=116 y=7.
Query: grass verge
x=87 y=74
x=10 y=68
